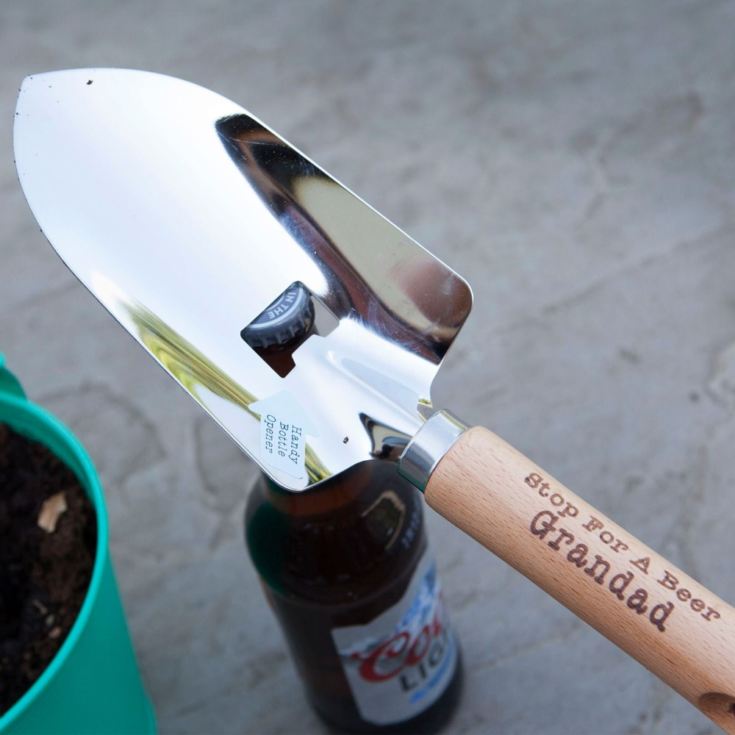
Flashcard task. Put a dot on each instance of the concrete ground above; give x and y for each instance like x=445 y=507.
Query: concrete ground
x=574 y=159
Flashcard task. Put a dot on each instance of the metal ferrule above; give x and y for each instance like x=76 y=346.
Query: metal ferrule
x=432 y=441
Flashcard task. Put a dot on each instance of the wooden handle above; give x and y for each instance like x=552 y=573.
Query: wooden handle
x=660 y=616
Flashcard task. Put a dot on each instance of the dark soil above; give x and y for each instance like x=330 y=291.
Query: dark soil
x=44 y=574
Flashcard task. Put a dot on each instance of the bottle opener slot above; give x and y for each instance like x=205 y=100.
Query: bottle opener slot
x=295 y=316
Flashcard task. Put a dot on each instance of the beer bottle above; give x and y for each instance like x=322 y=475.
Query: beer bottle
x=346 y=569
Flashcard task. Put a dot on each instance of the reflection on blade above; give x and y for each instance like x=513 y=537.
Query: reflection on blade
x=347 y=238
x=194 y=371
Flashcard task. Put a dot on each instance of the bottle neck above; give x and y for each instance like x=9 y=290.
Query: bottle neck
x=336 y=535
x=357 y=484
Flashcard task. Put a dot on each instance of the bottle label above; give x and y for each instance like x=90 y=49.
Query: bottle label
x=402 y=661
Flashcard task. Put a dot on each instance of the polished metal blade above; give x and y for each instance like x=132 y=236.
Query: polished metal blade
x=186 y=217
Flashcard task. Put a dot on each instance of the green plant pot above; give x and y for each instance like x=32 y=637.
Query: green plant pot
x=92 y=686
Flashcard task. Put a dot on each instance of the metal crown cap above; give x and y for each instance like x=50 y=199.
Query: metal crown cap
x=290 y=316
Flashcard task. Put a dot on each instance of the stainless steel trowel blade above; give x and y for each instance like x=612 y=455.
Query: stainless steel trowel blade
x=186 y=217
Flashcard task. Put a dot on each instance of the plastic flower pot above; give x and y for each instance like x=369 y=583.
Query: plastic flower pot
x=92 y=685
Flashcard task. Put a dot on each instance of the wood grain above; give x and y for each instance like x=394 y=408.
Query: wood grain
x=663 y=618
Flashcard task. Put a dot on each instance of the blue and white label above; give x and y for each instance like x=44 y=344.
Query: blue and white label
x=401 y=662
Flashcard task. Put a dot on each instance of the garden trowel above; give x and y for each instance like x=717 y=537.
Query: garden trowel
x=188 y=218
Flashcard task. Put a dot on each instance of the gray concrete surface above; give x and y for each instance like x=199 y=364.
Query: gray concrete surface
x=574 y=159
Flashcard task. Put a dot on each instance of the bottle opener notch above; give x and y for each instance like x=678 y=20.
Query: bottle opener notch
x=293 y=317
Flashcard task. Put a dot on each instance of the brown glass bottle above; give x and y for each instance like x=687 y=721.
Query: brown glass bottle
x=346 y=569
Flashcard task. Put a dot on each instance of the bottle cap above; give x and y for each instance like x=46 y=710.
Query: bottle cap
x=290 y=316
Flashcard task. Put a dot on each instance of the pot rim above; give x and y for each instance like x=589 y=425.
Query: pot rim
x=34 y=416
